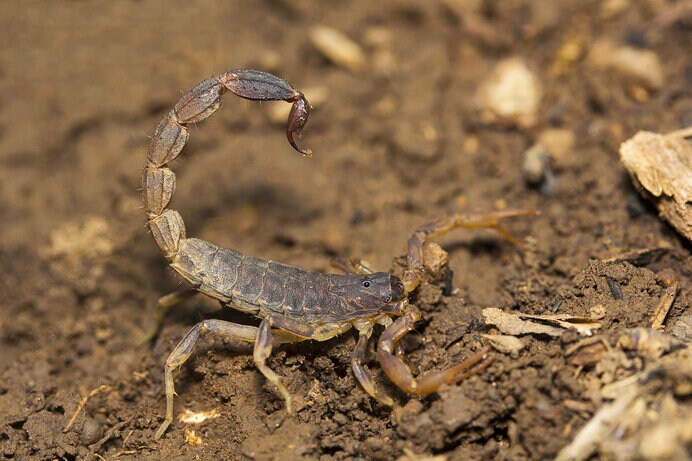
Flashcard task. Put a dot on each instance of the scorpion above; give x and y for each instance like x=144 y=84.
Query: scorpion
x=292 y=304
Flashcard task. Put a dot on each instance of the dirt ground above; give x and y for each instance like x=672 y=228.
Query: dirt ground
x=399 y=140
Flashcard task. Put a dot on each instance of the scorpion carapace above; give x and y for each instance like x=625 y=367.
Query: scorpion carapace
x=293 y=304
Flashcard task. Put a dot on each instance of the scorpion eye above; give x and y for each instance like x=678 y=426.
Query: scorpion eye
x=366 y=284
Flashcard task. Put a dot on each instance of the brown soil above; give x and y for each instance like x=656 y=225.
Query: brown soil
x=82 y=85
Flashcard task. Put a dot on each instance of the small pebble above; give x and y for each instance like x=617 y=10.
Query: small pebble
x=91 y=432
x=682 y=328
x=435 y=258
x=536 y=169
x=535 y=163
x=597 y=312
x=337 y=47
x=512 y=93
x=506 y=344
x=641 y=65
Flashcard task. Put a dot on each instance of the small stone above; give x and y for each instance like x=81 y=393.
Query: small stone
x=512 y=94
x=644 y=66
x=92 y=432
x=435 y=259
x=682 y=328
x=535 y=163
x=597 y=312
x=506 y=344
x=337 y=47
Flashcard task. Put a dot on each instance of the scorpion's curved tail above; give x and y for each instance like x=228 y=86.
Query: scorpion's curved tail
x=200 y=102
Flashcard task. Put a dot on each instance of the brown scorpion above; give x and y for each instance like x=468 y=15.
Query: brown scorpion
x=293 y=304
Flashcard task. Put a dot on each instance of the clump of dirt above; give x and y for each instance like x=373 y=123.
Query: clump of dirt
x=409 y=130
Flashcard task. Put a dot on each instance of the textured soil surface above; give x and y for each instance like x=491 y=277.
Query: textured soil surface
x=399 y=140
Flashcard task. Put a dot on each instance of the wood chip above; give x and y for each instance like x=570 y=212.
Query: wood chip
x=640 y=257
x=663 y=307
x=599 y=427
x=649 y=342
x=662 y=165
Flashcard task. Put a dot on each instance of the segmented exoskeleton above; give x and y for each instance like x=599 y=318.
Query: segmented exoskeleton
x=294 y=304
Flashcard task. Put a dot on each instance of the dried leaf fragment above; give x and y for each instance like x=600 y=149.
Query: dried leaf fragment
x=584 y=325
x=552 y=325
x=512 y=324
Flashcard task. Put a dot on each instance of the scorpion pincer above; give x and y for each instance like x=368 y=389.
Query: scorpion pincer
x=293 y=304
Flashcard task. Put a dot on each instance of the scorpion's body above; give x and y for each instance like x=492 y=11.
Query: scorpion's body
x=293 y=304
x=260 y=288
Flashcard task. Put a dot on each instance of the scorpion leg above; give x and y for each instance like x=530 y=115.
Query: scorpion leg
x=361 y=372
x=184 y=348
x=414 y=273
x=302 y=331
x=399 y=372
x=164 y=304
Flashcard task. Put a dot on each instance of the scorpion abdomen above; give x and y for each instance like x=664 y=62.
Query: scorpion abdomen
x=253 y=285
